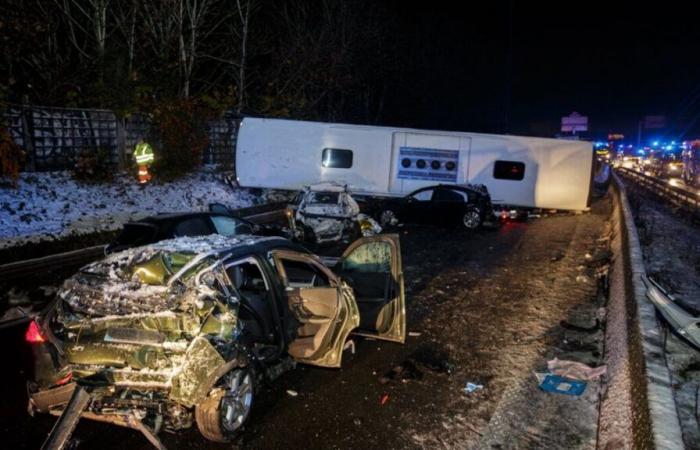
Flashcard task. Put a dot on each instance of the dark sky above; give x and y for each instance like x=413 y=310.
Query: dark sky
x=613 y=61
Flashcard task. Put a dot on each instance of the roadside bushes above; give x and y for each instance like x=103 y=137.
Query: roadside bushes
x=179 y=136
x=94 y=165
x=11 y=159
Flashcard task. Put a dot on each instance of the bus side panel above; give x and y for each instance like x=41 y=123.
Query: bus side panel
x=565 y=174
x=277 y=153
x=484 y=154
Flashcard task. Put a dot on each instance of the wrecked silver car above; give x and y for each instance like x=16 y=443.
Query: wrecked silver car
x=326 y=212
x=182 y=331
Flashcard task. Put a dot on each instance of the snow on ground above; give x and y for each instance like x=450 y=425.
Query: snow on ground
x=52 y=204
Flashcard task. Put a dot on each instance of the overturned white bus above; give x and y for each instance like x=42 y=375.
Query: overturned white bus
x=385 y=161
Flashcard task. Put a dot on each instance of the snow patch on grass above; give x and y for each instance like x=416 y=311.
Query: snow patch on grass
x=52 y=205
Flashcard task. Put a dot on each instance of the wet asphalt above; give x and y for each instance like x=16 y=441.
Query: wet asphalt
x=377 y=398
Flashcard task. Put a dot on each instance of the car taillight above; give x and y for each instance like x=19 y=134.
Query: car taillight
x=33 y=334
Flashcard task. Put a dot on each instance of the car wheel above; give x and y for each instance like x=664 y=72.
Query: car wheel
x=221 y=416
x=472 y=218
x=387 y=218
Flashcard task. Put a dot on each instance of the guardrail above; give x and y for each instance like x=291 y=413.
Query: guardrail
x=684 y=198
x=639 y=405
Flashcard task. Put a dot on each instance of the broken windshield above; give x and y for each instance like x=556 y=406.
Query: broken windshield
x=323 y=198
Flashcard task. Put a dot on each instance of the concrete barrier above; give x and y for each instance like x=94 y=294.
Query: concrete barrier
x=638 y=409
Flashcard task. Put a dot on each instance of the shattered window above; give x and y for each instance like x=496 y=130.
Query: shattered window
x=323 y=198
x=370 y=257
x=159 y=269
x=228 y=226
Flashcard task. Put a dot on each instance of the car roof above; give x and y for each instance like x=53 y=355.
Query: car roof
x=216 y=244
x=456 y=187
x=166 y=217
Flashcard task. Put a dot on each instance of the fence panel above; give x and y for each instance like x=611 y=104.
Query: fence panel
x=54 y=137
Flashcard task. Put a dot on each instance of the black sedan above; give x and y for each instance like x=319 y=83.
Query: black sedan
x=167 y=226
x=452 y=205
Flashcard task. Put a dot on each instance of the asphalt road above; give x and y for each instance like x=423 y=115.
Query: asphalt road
x=483 y=307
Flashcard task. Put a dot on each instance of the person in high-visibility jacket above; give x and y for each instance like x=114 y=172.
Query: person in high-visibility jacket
x=143 y=154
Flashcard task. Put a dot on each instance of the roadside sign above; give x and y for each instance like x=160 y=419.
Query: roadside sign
x=574 y=122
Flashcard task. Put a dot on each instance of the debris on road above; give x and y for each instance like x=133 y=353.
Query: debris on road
x=292 y=393
x=471 y=387
x=414 y=333
x=384 y=399
x=575 y=370
x=550 y=382
x=350 y=345
x=684 y=323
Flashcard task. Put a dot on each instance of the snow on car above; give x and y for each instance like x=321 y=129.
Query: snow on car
x=183 y=331
x=326 y=212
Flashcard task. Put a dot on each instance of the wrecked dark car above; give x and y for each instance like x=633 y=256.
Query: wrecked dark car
x=467 y=206
x=168 y=226
x=183 y=331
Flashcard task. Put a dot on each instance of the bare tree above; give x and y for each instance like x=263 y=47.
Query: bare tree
x=87 y=28
x=191 y=17
x=126 y=13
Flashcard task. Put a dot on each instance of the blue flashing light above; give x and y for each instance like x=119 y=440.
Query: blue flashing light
x=640 y=151
x=655 y=143
x=669 y=147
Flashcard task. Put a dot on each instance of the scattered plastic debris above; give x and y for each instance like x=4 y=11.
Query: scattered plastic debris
x=471 y=387
x=414 y=333
x=550 y=382
x=350 y=345
x=292 y=393
x=384 y=399
x=575 y=370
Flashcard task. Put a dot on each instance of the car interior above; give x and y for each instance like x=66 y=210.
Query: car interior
x=314 y=303
x=254 y=311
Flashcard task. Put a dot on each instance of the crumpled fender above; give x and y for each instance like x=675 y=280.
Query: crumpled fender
x=201 y=369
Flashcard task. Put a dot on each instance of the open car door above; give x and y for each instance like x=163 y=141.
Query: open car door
x=325 y=309
x=372 y=267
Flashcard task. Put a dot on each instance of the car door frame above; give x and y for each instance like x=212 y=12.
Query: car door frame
x=347 y=316
x=396 y=331
x=447 y=212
